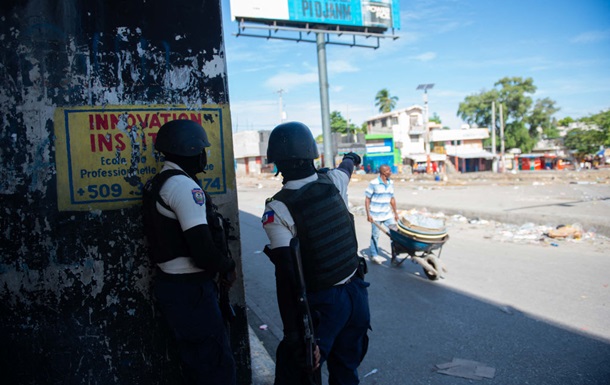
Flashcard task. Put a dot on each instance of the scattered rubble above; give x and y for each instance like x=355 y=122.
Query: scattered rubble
x=503 y=232
x=471 y=370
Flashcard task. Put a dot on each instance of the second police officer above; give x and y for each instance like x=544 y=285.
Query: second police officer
x=187 y=257
x=313 y=207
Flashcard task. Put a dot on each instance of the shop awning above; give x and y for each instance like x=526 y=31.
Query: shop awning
x=419 y=158
x=474 y=155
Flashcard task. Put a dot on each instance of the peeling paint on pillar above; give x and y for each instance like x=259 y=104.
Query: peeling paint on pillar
x=75 y=301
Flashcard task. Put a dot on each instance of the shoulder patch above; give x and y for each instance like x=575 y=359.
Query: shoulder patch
x=268 y=217
x=198 y=196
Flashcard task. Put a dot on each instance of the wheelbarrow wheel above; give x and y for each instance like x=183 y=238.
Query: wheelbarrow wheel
x=432 y=277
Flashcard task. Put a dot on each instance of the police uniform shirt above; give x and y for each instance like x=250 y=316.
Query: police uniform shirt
x=187 y=201
x=277 y=221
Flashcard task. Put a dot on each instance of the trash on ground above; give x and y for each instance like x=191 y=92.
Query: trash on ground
x=371 y=372
x=563 y=232
x=263 y=327
x=472 y=370
x=504 y=232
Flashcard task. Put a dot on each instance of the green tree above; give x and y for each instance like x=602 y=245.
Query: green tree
x=583 y=142
x=602 y=121
x=540 y=116
x=384 y=101
x=339 y=124
x=435 y=118
x=520 y=114
x=565 y=121
x=364 y=128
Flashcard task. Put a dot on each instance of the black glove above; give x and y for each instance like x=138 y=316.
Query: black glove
x=354 y=157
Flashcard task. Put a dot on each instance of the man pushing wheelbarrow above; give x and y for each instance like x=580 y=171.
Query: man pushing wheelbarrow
x=406 y=235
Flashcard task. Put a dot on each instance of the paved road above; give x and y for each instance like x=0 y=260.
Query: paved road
x=534 y=312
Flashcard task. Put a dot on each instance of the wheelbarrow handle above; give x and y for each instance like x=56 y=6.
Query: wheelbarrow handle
x=382 y=229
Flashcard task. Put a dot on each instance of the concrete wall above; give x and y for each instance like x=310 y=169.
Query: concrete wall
x=75 y=301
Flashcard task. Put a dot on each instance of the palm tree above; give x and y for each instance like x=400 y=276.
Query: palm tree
x=384 y=101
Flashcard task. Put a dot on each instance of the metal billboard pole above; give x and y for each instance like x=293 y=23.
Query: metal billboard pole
x=329 y=157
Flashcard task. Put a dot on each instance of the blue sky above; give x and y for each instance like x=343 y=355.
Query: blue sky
x=463 y=47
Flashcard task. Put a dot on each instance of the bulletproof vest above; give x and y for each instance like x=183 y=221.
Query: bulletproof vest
x=165 y=237
x=325 y=230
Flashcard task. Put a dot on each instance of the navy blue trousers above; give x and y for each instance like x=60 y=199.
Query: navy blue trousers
x=192 y=313
x=342 y=319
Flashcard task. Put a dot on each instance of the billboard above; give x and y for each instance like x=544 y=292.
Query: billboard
x=353 y=14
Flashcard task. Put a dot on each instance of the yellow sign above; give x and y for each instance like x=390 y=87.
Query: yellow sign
x=105 y=155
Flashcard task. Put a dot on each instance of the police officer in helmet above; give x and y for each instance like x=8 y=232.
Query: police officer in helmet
x=312 y=206
x=187 y=258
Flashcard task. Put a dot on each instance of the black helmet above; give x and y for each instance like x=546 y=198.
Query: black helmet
x=181 y=137
x=291 y=140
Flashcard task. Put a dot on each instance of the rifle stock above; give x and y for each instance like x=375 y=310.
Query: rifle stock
x=308 y=331
x=226 y=309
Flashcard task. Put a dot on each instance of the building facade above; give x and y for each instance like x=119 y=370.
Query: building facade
x=250 y=151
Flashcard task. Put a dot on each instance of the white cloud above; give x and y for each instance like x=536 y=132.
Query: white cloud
x=426 y=56
x=290 y=80
x=341 y=66
x=591 y=37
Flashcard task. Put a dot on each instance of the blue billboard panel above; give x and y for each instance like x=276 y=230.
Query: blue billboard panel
x=382 y=14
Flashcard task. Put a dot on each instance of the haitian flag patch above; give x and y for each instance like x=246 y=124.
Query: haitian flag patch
x=198 y=196
x=268 y=217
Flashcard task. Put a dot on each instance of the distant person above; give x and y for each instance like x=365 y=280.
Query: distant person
x=380 y=208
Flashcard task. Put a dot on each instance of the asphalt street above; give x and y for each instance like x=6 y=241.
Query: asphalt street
x=531 y=308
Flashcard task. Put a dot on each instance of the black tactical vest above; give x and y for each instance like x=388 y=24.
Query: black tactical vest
x=325 y=230
x=166 y=240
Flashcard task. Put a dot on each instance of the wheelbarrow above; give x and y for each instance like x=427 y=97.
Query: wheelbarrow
x=419 y=246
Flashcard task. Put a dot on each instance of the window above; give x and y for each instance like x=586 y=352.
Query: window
x=413 y=120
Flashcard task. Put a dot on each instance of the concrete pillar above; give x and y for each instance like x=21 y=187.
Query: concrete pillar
x=85 y=87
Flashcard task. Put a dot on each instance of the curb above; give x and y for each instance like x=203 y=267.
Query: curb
x=263 y=366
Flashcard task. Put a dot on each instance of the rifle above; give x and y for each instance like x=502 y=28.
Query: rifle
x=221 y=227
x=226 y=309
x=308 y=333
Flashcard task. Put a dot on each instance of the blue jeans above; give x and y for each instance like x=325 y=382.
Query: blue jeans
x=375 y=234
x=192 y=313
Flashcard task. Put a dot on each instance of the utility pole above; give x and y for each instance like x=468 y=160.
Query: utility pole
x=280 y=91
x=494 y=164
x=502 y=165
x=426 y=87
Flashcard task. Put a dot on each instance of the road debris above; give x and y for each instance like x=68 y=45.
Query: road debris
x=370 y=373
x=564 y=232
x=472 y=370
